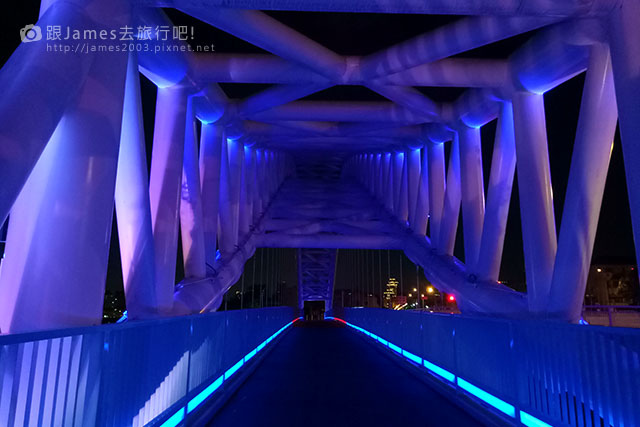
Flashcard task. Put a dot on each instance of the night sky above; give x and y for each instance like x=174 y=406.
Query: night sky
x=361 y=34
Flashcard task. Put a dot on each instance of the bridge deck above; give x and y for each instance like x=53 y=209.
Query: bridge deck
x=323 y=374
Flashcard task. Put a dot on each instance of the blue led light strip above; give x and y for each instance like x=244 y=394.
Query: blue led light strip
x=179 y=415
x=499 y=404
x=531 y=421
x=505 y=407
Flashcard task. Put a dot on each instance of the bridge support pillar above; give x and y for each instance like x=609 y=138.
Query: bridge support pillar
x=503 y=165
x=625 y=56
x=413 y=182
x=191 y=228
x=587 y=177
x=54 y=272
x=37 y=88
x=230 y=184
x=164 y=187
x=387 y=178
x=210 y=158
x=452 y=198
x=133 y=212
x=421 y=216
x=436 y=190
x=472 y=186
x=536 y=196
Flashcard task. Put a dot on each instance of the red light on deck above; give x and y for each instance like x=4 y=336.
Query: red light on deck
x=452 y=298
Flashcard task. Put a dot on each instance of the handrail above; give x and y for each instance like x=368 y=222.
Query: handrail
x=134 y=373
x=536 y=372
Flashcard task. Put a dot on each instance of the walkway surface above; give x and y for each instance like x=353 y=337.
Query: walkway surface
x=324 y=374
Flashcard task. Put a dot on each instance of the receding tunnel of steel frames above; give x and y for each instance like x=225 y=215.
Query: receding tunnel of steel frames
x=275 y=171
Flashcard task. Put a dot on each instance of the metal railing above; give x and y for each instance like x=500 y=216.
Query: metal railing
x=626 y=316
x=538 y=373
x=130 y=374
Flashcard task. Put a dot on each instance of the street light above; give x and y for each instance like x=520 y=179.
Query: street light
x=430 y=289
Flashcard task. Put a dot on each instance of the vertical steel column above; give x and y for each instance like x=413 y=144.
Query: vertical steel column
x=256 y=202
x=372 y=173
x=387 y=178
x=231 y=176
x=55 y=266
x=402 y=208
x=246 y=210
x=135 y=233
x=503 y=165
x=378 y=176
x=164 y=187
x=624 y=37
x=436 y=189
x=451 y=209
x=266 y=169
x=413 y=182
x=472 y=186
x=210 y=161
x=536 y=196
x=191 y=228
x=396 y=180
x=587 y=177
x=421 y=216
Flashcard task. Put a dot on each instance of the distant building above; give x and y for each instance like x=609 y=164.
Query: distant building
x=612 y=284
x=390 y=292
x=114 y=306
x=399 y=302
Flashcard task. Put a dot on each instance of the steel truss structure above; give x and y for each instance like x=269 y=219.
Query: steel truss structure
x=72 y=147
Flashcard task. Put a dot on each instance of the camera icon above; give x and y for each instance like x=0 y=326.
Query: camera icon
x=30 y=33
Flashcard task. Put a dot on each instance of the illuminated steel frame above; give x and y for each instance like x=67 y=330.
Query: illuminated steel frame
x=72 y=148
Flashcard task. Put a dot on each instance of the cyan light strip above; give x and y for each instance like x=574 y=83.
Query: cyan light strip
x=412 y=357
x=499 y=404
x=178 y=417
x=232 y=370
x=250 y=354
x=439 y=371
x=204 y=394
x=175 y=419
x=395 y=348
x=531 y=421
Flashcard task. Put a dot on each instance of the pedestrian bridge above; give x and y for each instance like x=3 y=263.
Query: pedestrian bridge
x=298 y=165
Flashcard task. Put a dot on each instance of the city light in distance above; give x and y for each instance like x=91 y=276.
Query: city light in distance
x=430 y=289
